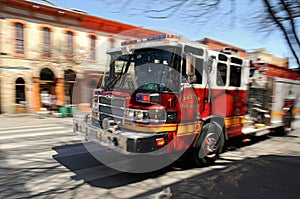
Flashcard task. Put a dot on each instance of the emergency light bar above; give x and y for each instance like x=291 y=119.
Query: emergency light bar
x=229 y=50
x=156 y=37
x=165 y=36
x=129 y=42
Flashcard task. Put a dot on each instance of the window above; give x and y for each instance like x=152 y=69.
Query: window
x=20 y=91
x=70 y=77
x=111 y=43
x=235 y=76
x=196 y=68
x=199 y=70
x=46 y=42
x=19 y=38
x=92 y=47
x=236 y=60
x=193 y=50
x=70 y=44
x=222 y=57
x=221 y=74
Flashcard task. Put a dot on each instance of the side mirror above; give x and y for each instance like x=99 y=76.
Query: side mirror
x=124 y=50
x=210 y=63
x=190 y=68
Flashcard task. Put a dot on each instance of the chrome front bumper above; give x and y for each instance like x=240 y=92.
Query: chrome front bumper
x=125 y=142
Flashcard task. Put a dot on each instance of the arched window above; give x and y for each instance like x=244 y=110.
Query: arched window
x=19 y=38
x=47 y=75
x=47 y=88
x=70 y=77
x=46 y=42
x=20 y=91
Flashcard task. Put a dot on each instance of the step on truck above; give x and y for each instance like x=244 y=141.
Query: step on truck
x=164 y=94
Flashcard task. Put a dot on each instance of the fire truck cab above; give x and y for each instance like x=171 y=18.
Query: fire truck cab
x=164 y=94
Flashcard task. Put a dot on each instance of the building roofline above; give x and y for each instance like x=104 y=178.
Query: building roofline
x=85 y=20
x=220 y=43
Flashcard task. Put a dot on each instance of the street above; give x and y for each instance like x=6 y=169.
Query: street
x=43 y=158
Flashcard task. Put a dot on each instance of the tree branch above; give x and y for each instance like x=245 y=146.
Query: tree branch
x=272 y=14
x=286 y=7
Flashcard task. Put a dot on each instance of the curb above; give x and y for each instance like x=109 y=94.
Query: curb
x=35 y=115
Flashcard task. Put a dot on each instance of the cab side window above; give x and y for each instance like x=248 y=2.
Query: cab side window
x=221 y=74
x=193 y=65
x=199 y=70
x=235 y=76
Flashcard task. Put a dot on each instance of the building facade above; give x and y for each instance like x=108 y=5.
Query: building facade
x=46 y=52
x=261 y=55
x=218 y=46
x=257 y=55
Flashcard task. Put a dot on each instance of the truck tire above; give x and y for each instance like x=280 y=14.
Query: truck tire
x=209 y=144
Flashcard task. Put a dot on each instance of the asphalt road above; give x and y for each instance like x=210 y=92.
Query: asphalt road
x=43 y=158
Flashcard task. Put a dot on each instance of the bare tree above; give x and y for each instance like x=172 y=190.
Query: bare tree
x=281 y=16
x=269 y=15
x=49 y=2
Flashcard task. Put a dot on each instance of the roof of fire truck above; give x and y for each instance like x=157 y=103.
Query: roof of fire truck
x=170 y=40
x=156 y=41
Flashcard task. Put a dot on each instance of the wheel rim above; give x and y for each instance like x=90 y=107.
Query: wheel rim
x=210 y=145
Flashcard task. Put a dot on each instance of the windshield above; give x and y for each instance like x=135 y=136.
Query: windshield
x=154 y=69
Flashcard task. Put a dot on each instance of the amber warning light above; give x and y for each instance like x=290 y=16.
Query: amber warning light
x=160 y=142
x=165 y=36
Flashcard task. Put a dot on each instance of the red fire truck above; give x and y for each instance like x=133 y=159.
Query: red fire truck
x=165 y=94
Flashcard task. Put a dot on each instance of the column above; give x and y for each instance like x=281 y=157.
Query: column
x=60 y=92
x=36 y=94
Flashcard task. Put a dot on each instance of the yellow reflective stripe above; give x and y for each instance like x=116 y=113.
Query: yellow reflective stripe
x=280 y=114
x=296 y=111
x=150 y=128
x=234 y=121
x=277 y=114
x=187 y=128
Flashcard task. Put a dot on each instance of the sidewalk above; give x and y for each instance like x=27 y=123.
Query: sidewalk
x=268 y=169
x=35 y=115
x=45 y=115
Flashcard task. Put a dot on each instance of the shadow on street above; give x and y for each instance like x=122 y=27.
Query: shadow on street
x=106 y=177
x=268 y=177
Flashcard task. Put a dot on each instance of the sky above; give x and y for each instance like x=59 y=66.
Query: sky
x=232 y=29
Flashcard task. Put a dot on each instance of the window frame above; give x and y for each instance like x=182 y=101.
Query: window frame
x=20 y=85
x=19 y=38
x=235 y=77
x=70 y=44
x=112 y=43
x=221 y=75
x=46 y=42
x=92 y=39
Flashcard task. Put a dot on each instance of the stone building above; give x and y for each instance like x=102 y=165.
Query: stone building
x=44 y=50
x=261 y=55
x=218 y=46
x=256 y=55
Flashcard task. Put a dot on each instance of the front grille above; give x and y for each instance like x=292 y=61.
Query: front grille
x=111 y=107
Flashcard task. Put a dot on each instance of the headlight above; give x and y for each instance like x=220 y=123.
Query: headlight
x=130 y=114
x=139 y=115
x=157 y=115
x=151 y=116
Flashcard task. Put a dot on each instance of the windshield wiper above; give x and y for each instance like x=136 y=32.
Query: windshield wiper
x=116 y=79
